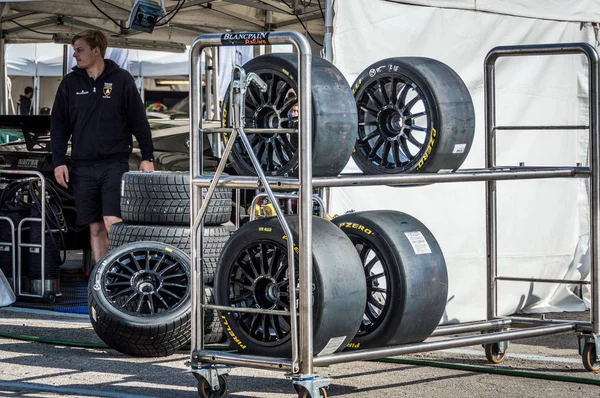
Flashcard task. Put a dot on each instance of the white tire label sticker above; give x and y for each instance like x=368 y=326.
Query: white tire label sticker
x=418 y=242
x=332 y=346
x=459 y=148
x=122 y=187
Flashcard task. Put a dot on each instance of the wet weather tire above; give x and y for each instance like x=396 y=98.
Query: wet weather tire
x=214 y=240
x=252 y=273
x=334 y=118
x=139 y=299
x=414 y=115
x=120 y=292
x=163 y=198
x=407 y=281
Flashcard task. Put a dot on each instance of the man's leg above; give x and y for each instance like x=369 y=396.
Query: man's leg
x=109 y=221
x=98 y=239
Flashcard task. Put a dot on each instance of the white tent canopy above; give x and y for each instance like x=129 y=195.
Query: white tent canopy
x=34 y=59
x=46 y=59
x=157 y=64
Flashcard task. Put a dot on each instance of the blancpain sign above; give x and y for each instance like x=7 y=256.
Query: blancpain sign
x=245 y=38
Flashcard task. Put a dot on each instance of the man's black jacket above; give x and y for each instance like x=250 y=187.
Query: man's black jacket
x=99 y=116
x=25 y=105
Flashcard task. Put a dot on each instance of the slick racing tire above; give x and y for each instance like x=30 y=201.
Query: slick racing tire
x=405 y=271
x=140 y=304
x=163 y=198
x=334 y=118
x=253 y=273
x=414 y=115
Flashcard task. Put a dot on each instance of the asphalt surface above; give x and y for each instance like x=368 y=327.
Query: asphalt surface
x=33 y=369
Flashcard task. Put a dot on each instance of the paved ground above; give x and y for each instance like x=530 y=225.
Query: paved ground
x=31 y=369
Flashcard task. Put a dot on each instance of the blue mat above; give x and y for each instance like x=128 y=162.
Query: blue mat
x=73 y=299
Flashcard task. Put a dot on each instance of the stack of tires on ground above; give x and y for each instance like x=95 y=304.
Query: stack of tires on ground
x=140 y=292
x=379 y=276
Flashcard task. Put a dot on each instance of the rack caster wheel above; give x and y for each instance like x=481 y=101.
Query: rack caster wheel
x=206 y=392
x=49 y=297
x=303 y=392
x=589 y=358
x=493 y=354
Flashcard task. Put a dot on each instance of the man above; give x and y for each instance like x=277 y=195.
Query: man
x=98 y=108
x=25 y=102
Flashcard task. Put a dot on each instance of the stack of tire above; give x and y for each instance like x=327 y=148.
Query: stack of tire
x=379 y=277
x=140 y=293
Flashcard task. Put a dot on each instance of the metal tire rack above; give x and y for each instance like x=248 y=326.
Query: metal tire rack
x=209 y=367
x=16 y=244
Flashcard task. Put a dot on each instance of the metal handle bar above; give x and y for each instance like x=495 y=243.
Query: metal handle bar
x=490 y=161
x=42 y=220
x=301 y=353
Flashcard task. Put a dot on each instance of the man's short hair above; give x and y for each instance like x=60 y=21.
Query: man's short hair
x=28 y=90
x=94 y=38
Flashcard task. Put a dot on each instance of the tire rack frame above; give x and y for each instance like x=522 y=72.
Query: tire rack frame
x=17 y=243
x=208 y=364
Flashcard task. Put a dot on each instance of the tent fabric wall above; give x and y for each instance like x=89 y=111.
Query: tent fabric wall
x=573 y=11
x=542 y=223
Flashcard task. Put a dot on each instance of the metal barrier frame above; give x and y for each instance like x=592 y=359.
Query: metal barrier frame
x=17 y=273
x=495 y=329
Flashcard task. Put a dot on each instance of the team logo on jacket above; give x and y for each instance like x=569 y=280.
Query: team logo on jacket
x=107 y=90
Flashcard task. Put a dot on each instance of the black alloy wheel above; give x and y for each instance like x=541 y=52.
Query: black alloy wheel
x=253 y=273
x=377 y=276
x=414 y=115
x=146 y=282
x=333 y=127
x=393 y=120
x=140 y=300
x=259 y=279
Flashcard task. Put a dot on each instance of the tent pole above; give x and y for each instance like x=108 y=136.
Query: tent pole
x=142 y=89
x=327 y=42
x=208 y=67
x=36 y=90
x=3 y=77
x=65 y=62
x=3 y=73
x=216 y=88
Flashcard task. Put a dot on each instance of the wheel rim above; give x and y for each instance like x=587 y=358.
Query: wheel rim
x=394 y=124
x=270 y=110
x=259 y=279
x=377 y=277
x=146 y=282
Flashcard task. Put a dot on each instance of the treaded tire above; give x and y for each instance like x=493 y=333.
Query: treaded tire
x=163 y=198
x=214 y=240
x=407 y=281
x=334 y=118
x=414 y=115
x=253 y=272
x=141 y=331
x=213 y=328
x=154 y=334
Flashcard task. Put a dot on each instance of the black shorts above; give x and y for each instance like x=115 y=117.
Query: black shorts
x=97 y=189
